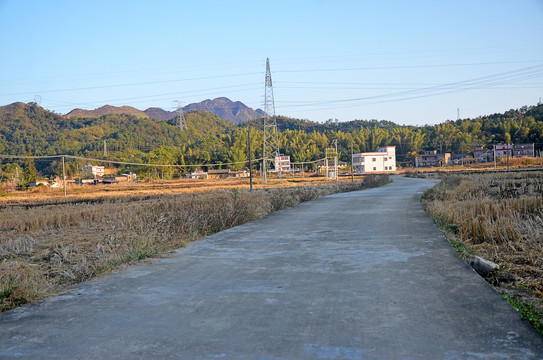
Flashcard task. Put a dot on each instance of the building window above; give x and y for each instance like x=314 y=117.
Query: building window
x=374 y=168
x=373 y=159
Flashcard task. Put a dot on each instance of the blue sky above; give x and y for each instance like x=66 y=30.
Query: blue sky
x=411 y=62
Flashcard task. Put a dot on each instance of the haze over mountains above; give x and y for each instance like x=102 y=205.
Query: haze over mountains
x=235 y=112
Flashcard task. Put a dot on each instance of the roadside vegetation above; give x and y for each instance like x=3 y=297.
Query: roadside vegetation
x=497 y=216
x=46 y=247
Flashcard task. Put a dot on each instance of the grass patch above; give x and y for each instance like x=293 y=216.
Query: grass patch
x=527 y=311
x=498 y=216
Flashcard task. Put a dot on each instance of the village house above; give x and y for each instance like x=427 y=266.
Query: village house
x=282 y=163
x=92 y=171
x=53 y=183
x=383 y=160
x=119 y=178
x=39 y=182
x=433 y=158
x=218 y=173
x=503 y=150
x=87 y=181
x=481 y=154
x=461 y=159
x=515 y=150
x=523 y=150
x=239 y=174
x=197 y=175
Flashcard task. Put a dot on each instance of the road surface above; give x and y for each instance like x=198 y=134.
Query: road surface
x=361 y=275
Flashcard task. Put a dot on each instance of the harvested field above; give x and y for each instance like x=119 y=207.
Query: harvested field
x=47 y=245
x=141 y=189
x=498 y=216
x=524 y=163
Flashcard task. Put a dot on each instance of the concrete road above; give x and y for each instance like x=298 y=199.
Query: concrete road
x=362 y=275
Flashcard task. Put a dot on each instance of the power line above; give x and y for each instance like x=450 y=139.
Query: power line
x=119 y=162
x=470 y=84
x=407 y=66
x=132 y=84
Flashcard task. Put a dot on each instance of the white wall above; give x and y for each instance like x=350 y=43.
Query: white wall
x=384 y=160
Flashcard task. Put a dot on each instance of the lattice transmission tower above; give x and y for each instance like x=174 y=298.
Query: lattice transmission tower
x=180 y=121
x=271 y=138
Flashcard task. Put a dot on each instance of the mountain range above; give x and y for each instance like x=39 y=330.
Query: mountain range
x=235 y=112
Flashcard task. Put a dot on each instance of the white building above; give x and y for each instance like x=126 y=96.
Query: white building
x=92 y=171
x=383 y=160
x=282 y=162
x=197 y=175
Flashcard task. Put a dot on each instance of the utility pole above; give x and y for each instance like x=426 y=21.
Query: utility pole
x=494 y=157
x=352 y=161
x=507 y=145
x=336 y=162
x=250 y=160
x=326 y=165
x=64 y=175
x=105 y=148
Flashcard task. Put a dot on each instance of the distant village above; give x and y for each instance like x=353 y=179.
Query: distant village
x=383 y=160
x=478 y=155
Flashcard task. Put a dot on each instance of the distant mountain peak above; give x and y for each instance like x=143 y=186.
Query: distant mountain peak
x=223 y=107
x=106 y=110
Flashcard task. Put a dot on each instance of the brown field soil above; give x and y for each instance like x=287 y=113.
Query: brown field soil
x=498 y=216
x=75 y=193
x=49 y=243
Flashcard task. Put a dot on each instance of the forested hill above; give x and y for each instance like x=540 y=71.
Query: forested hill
x=29 y=129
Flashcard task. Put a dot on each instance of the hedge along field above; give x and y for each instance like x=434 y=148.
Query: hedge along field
x=45 y=248
x=498 y=216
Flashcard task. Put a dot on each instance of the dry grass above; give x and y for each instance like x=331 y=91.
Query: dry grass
x=501 y=165
x=47 y=246
x=142 y=189
x=500 y=217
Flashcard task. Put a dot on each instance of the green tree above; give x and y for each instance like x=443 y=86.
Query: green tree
x=30 y=172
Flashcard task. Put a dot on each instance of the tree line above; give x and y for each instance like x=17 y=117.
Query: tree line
x=27 y=129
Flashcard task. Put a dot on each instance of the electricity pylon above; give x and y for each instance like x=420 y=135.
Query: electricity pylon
x=180 y=121
x=271 y=138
